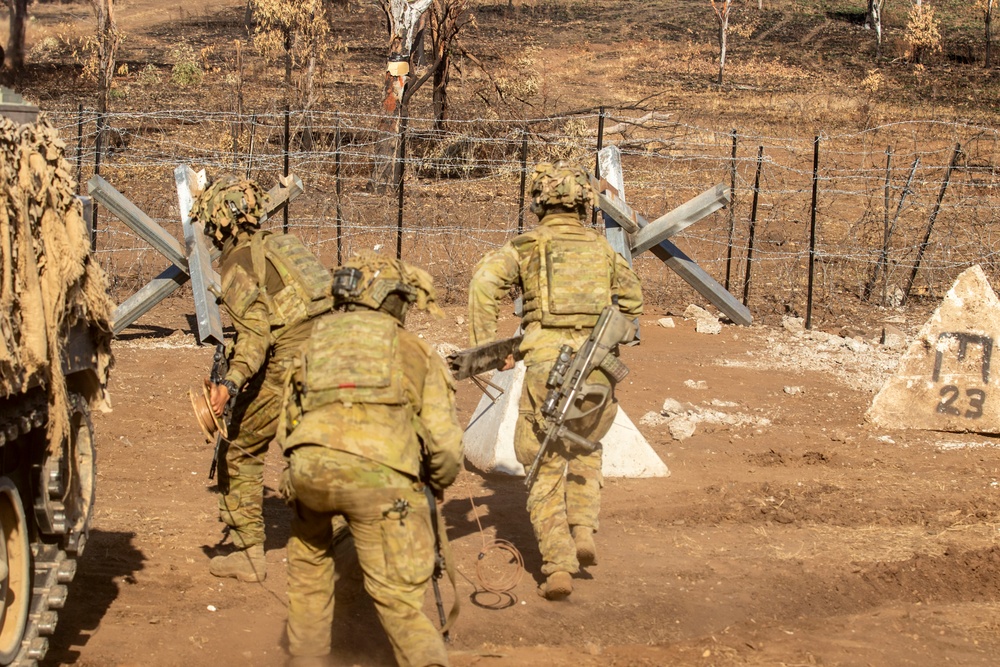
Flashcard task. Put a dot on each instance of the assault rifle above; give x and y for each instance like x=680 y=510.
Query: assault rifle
x=568 y=386
x=481 y=358
x=220 y=367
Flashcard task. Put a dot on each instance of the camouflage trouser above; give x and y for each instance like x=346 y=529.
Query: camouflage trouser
x=567 y=491
x=252 y=427
x=390 y=521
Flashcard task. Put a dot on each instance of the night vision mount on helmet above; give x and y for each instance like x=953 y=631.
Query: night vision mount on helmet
x=228 y=204
x=367 y=279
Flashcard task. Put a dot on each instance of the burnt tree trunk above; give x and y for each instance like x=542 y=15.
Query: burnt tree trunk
x=15 y=43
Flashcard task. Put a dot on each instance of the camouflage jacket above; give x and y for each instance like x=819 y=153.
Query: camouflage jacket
x=249 y=310
x=516 y=264
x=390 y=402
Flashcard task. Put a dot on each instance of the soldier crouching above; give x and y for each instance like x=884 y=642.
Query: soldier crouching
x=369 y=419
x=272 y=289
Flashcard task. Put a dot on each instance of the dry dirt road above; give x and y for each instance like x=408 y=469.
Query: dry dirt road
x=790 y=532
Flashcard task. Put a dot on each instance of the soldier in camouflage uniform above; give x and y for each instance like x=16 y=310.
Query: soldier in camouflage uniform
x=567 y=273
x=272 y=288
x=369 y=420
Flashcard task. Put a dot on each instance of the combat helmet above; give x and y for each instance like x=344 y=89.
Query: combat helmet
x=372 y=281
x=227 y=205
x=560 y=185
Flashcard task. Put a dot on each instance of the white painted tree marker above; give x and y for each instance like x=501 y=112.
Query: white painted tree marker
x=946 y=380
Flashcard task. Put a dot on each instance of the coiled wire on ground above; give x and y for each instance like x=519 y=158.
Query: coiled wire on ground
x=496 y=554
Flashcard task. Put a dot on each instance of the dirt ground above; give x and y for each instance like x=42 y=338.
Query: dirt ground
x=789 y=532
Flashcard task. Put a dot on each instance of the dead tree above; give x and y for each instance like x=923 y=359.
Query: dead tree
x=15 y=43
x=722 y=9
x=987 y=7
x=447 y=18
x=108 y=39
x=403 y=21
x=873 y=21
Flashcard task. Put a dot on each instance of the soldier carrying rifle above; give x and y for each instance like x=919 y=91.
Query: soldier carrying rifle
x=568 y=274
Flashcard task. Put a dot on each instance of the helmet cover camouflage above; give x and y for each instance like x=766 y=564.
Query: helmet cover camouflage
x=560 y=185
x=227 y=203
x=368 y=278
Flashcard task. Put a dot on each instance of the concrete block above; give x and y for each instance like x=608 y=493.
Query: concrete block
x=489 y=438
x=946 y=380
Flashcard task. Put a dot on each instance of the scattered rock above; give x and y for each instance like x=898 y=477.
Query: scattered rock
x=682 y=428
x=697 y=313
x=792 y=391
x=708 y=326
x=793 y=324
x=460 y=320
x=855 y=345
x=892 y=338
x=695 y=384
x=666 y=322
x=653 y=419
x=671 y=407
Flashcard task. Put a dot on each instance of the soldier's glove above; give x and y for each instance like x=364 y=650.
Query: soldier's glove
x=285 y=488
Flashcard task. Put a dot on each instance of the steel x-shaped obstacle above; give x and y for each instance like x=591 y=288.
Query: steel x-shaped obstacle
x=191 y=261
x=631 y=234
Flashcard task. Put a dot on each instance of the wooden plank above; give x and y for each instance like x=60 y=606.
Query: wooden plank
x=680 y=218
x=138 y=221
x=151 y=294
x=703 y=283
x=206 y=307
x=287 y=190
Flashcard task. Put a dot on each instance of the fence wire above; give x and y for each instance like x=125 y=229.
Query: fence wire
x=879 y=190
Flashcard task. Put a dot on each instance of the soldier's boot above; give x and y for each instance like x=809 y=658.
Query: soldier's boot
x=248 y=565
x=586 y=550
x=557 y=586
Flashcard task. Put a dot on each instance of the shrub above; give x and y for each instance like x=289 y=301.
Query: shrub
x=187 y=70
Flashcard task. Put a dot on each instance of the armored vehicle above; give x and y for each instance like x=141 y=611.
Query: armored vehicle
x=54 y=361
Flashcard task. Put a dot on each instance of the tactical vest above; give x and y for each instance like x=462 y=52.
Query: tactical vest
x=566 y=277
x=352 y=357
x=307 y=290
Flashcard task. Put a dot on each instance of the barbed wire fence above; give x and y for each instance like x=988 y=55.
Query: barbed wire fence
x=879 y=194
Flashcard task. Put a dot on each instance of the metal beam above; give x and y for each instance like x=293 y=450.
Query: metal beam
x=680 y=218
x=151 y=294
x=206 y=307
x=139 y=222
x=703 y=283
x=615 y=228
x=612 y=202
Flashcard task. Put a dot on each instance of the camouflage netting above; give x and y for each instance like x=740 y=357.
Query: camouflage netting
x=48 y=279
